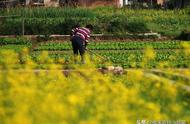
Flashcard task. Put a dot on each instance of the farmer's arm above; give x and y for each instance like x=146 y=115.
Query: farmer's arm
x=73 y=31
x=87 y=40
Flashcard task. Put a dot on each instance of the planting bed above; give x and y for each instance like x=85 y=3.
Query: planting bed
x=125 y=54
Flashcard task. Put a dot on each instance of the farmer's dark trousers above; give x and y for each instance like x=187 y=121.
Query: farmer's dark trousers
x=78 y=46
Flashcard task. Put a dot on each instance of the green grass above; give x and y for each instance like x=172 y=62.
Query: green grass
x=106 y=20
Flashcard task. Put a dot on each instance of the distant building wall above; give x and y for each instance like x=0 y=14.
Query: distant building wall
x=27 y=2
x=123 y=2
x=99 y=2
x=94 y=3
x=160 y=2
x=46 y=2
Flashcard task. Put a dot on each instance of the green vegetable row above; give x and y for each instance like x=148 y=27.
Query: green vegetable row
x=129 y=59
x=14 y=41
x=113 y=45
x=16 y=48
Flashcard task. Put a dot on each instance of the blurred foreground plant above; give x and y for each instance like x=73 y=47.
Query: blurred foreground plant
x=85 y=96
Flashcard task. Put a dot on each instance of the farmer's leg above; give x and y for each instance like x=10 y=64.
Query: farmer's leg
x=82 y=51
x=75 y=48
x=79 y=47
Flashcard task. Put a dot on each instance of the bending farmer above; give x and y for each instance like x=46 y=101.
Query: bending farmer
x=80 y=38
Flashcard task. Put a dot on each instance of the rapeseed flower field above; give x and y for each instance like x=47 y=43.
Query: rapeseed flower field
x=86 y=96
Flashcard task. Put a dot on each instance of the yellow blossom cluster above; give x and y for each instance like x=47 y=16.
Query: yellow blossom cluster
x=85 y=96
